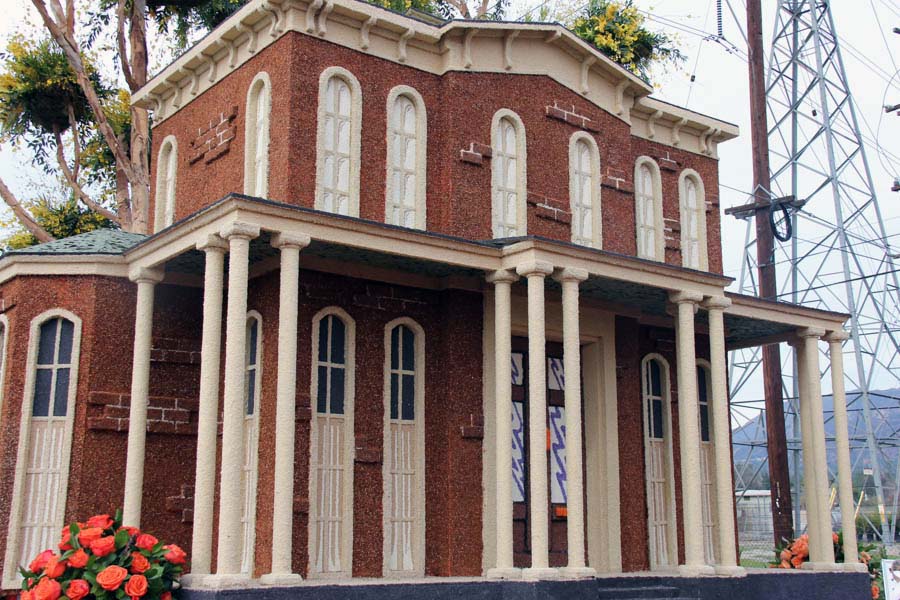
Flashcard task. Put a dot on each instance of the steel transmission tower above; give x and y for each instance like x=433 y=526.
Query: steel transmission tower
x=838 y=256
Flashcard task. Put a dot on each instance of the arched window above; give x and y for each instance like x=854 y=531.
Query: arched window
x=45 y=440
x=338 y=145
x=648 y=209
x=250 y=470
x=332 y=445
x=406 y=159
x=584 y=190
x=707 y=462
x=166 y=174
x=693 y=221
x=658 y=462
x=508 y=175
x=404 y=450
x=256 y=137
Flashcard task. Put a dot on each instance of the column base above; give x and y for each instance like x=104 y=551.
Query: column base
x=855 y=567
x=730 y=571
x=538 y=573
x=822 y=566
x=696 y=570
x=281 y=579
x=504 y=573
x=577 y=572
x=217 y=581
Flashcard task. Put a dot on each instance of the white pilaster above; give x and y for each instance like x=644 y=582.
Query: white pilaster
x=539 y=507
x=283 y=510
x=146 y=280
x=689 y=434
x=503 y=281
x=570 y=280
x=208 y=414
x=721 y=424
x=230 y=498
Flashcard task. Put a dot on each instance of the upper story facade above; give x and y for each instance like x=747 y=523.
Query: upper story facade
x=480 y=130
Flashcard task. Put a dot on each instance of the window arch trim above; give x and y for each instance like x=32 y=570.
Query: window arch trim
x=260 y=88
x=658 y=221
x=4 y=359
x=521 y=171
x=701 y=215
x=164 y=203
x=421 y=168
x=10 y=567
x=355 y=132
x=596 y=205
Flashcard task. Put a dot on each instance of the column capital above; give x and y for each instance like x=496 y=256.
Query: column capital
x=145 y=275
x=685 y=297
x=810 y=332
x=238 y=229
x=716 y=303
x=212 y=243
x=570 y=274
x=837 y=336
x=285 y=239
x=501 y=276
x=537 y=268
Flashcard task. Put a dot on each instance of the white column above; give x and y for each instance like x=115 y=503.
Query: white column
x=835 y=341
x=721 y=424
x=208 y=415
x=689 y=435
x=230 y=498
x=539 y=499
x=570 y=279
x=808 y=451
x=503 y=281
x=146 y=280
x=285 y=411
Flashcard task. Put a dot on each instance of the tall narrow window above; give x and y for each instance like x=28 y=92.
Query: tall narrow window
x=331 y=464
x=508 y=175
x=166 y=173
x=648 y=209
x=250 y=471
x=707 y=464
x=693 y=221
x=404 y=465
x=659 y=470
x=584 y=190
x=338 y=147
x=256 y=137
x=406 y=162
x=45 y=439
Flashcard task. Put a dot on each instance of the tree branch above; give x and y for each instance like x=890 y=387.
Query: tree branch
x=120 y=40
x=76 y=143
x=23 y=215
x=76 y=187
x=462 y=7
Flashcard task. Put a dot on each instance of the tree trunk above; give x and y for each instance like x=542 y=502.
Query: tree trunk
x=23 y=215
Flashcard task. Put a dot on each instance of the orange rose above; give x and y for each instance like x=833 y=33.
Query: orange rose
x=132 y=531
x=785 y=564
x=145 y=541
x=65 y=543
x=103 y=546
x=785 y=554
x=55 y=567
x=38 y=564
x=78 y=559
x=136 y=586
x=139 y=563
x=47 y=589
x=88 y=535
x=111 y=577
x=26 y=595
x=875 y=592
x=78 y=589
x=797 y=561
x=175 y=555
x=100 y=521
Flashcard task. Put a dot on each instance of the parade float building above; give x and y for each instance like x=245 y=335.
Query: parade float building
x=426 y=301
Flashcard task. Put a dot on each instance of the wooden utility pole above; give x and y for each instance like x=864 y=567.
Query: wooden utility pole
x=776 y=438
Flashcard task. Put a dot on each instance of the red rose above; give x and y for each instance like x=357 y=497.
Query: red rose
x=103 y=546
x=55 y=567
x=38 y=564
x=166 y=596
x=100 y=521
x=66 y=542
x=139 y=563
x=136 y=586
x=78 y=559
x=78 y=589
x=175 y=555
x=47 y=589
x=111 y=577
x=132 y=531
x=145 y=541
x=88 y=535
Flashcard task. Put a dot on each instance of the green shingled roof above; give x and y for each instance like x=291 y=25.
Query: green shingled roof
x=99 y=241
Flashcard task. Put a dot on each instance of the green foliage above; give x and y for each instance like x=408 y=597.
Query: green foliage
x=616 y=28
x=432 y=7
x=59 y=220
x=181 y=18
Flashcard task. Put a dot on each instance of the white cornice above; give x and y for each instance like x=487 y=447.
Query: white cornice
x=15 y=265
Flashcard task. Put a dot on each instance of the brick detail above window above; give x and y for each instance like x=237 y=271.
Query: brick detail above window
x=672 y=229
x=568 y=114
x=550 y=208
x=617 y=179
x=214 y=137
x=181 y=351
x=667 y=164
x=182 y=504
x=476 y=153
x=110 y=411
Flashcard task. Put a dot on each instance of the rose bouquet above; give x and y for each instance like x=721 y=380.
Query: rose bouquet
x=103 y=560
